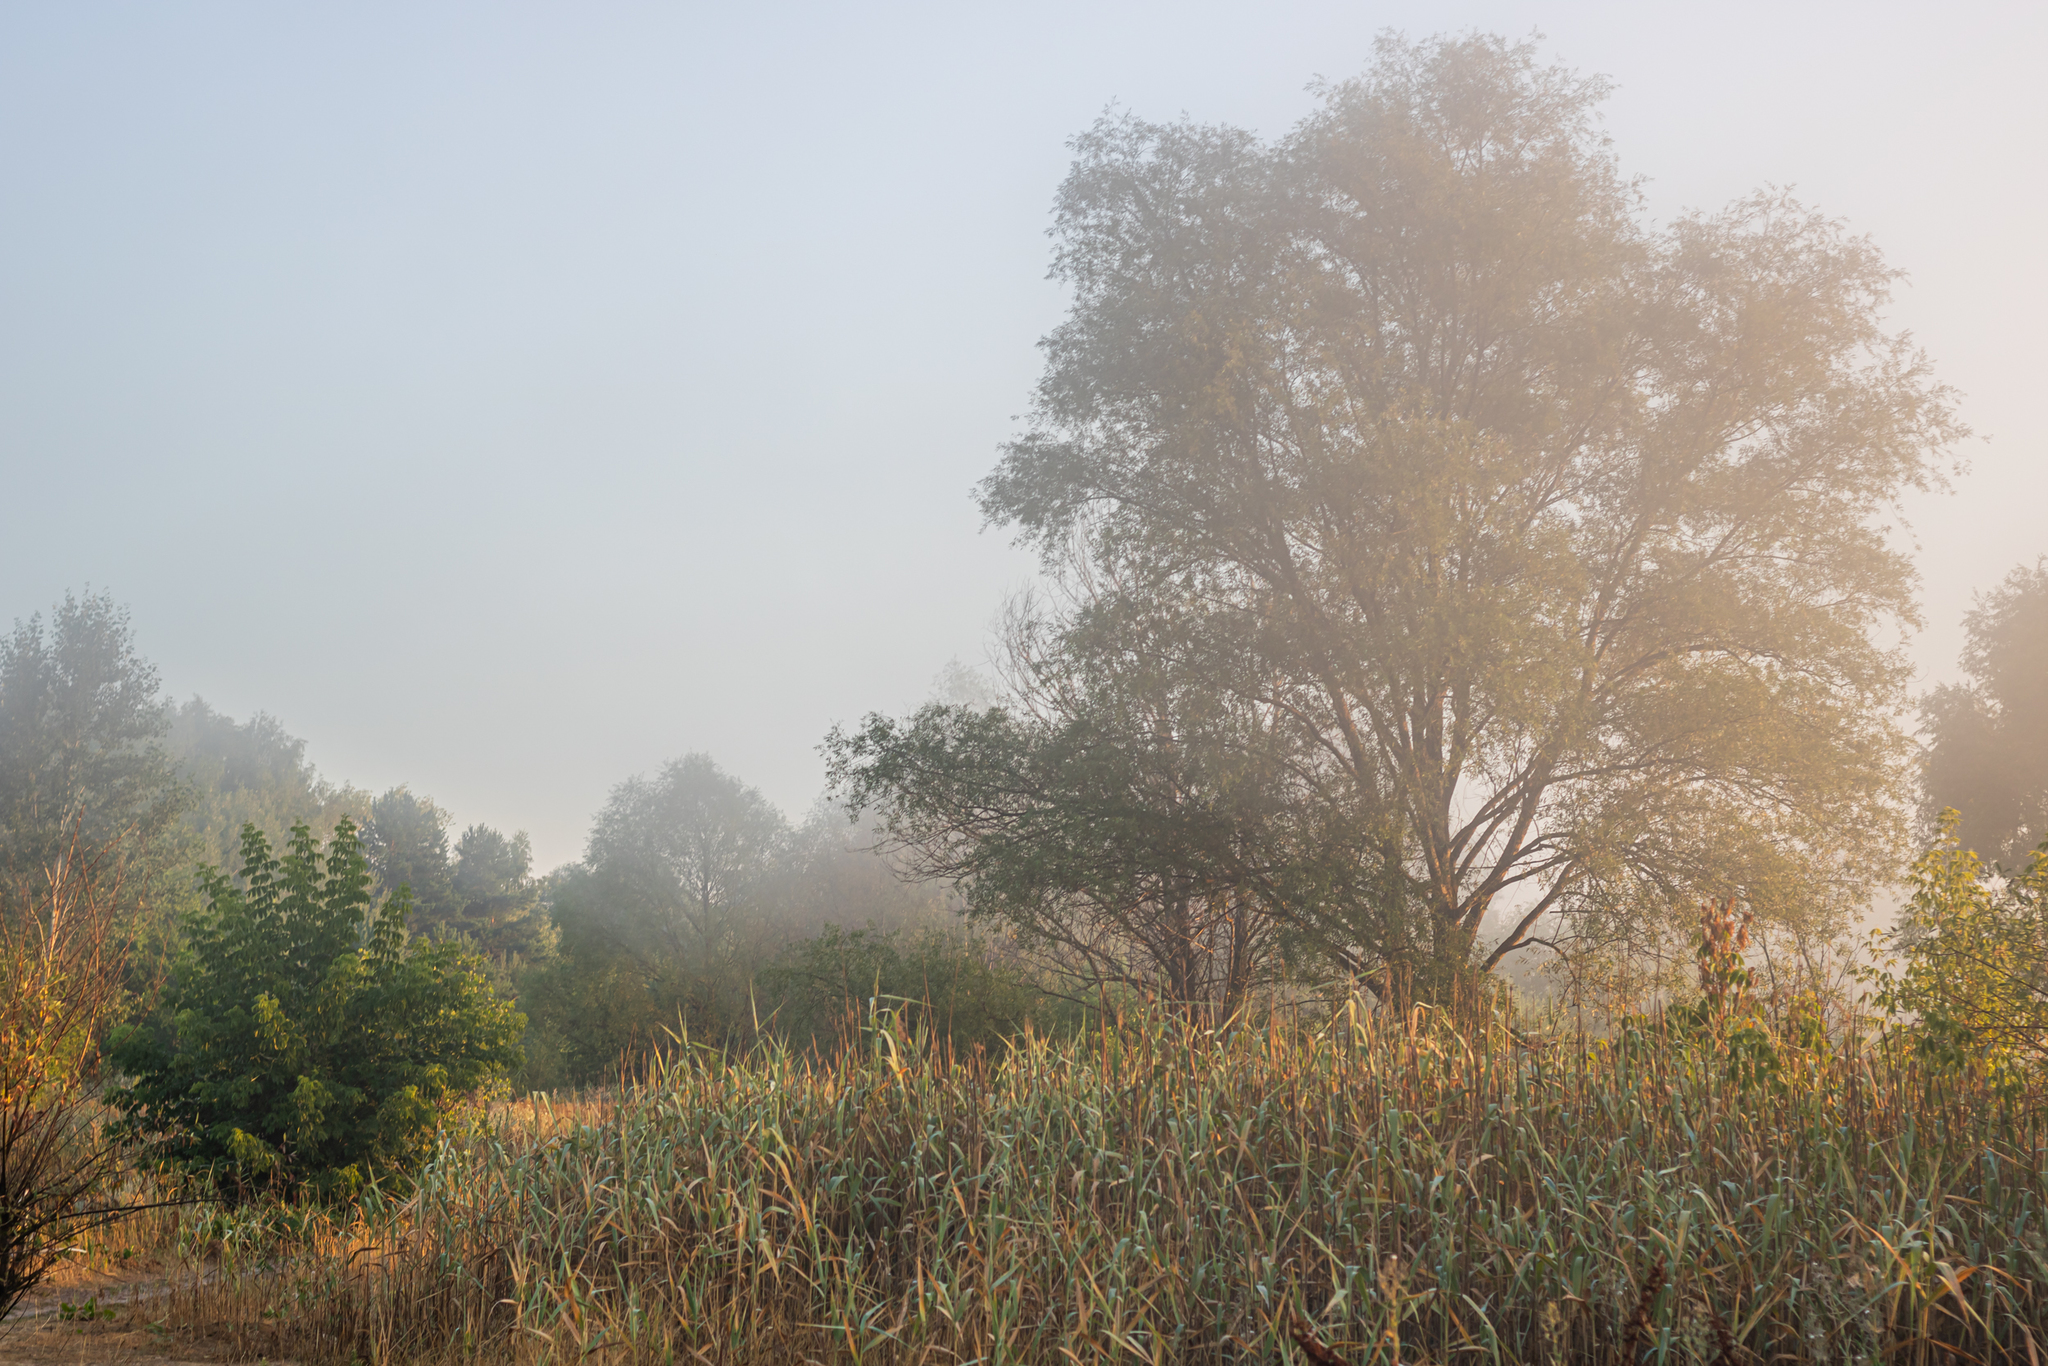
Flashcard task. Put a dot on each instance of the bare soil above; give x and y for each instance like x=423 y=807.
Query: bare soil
x=86 y=1317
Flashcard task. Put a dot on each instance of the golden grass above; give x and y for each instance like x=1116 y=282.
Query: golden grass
x=1348 y=1192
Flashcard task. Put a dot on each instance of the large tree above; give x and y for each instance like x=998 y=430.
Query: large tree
x=406 y=842
x=82 y=756
x=686 y=854
x=250 y=772
x=1987 y=753
x=1551 y=531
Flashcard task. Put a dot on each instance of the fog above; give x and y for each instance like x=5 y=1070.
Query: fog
x=512 y=397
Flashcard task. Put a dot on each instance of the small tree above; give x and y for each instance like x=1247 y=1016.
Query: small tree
x=501 y=911
x=83 y=765
x=405 y=841
x=308 y=1043
x=1967 y=961
x=61 y=964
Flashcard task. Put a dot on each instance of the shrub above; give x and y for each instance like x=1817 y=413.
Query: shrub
x=61 y=965
x=1967 y=962
x=308 y=1045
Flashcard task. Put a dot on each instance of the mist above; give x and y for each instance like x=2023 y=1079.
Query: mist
x=1205 y=681
x=513 y=399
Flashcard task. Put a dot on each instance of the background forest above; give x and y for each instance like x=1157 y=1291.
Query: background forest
x=700 y=908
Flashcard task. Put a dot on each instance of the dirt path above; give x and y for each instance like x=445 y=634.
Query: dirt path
x=84 y=1318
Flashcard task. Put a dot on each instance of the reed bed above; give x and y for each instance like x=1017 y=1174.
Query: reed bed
x=1355 y=1191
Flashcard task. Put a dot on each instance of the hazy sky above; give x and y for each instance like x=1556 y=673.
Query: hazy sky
x=510 y=397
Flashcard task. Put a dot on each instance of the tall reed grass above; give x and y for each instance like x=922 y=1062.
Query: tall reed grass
x=1357 y=1190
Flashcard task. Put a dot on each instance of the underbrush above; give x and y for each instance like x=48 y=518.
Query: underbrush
x=1356 y=1191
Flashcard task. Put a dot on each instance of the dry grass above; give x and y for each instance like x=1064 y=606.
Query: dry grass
x=1347 y=1192
x=137 y=1292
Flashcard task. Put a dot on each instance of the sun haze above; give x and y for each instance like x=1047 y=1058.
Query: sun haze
x=513 y=398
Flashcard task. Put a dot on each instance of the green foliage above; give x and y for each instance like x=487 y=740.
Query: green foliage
x=1551 y=532
x=699 y=910
x=308 y=1044
x=600 y=1001
x=82 y=755
x=1967 y=962
x=483 y=893
x=251 y=772
x=406 y=843
x=498 y=897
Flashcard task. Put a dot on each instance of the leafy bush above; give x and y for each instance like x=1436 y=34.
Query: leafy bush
x=592 y=1015
x=308 y=1044
x=1968 y=961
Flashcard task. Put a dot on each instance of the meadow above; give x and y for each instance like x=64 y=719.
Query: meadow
x=1355 y=1189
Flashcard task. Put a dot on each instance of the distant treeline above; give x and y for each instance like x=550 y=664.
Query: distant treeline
x=1446 y=566
x=699 y=911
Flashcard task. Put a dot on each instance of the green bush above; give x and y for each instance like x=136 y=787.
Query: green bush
x=1966 y=967
x=308 y=1044
x=590 y=1017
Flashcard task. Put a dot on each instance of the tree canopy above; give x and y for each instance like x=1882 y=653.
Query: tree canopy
x=253 y=771
x=82 y=754
x=690 y=848
x=406 y=842
x=1987 y=754
x=500 y=898
x=1545 y=534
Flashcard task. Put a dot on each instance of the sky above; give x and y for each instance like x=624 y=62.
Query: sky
x=510 y=397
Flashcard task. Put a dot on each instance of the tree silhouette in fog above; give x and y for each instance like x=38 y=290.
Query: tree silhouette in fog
x=1987 y=752
x=1549 y=533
